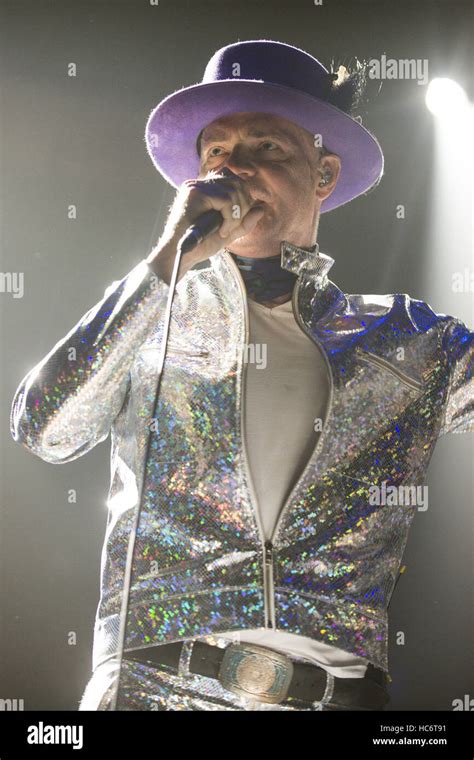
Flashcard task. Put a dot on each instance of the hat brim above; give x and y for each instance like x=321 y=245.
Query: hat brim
x=174 y=125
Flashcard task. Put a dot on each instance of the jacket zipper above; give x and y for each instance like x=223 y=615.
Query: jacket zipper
x=371 y=358
x=294 y=303
x=270 y=620
x=267 y=548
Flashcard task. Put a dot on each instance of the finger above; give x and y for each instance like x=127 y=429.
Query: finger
x=211 y=188
x=232 y=214
x=248 y=222
x=236 y=206
x=241 y=202
x=228 y=196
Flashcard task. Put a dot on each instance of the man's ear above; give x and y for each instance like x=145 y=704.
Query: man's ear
x=329 y=168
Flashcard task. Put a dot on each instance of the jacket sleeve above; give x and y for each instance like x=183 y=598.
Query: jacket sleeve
x=67 y=403
x=459 y=411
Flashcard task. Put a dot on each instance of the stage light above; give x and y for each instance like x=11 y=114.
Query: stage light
x=446 y=98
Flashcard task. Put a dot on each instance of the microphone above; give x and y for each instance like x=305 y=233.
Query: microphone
x=205 y=225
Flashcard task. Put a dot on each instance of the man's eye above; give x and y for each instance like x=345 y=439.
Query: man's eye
x=211 y=152
x=268 y=143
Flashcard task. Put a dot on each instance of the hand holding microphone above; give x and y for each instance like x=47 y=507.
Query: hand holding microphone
x=206 y=215
x=203 y=227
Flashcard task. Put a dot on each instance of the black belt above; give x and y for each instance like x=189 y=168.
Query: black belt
x=307 y=683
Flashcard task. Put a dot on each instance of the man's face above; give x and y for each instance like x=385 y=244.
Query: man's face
x=278 y=162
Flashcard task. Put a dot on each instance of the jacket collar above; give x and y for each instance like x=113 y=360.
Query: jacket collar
x=308 y=260
x=317 y=295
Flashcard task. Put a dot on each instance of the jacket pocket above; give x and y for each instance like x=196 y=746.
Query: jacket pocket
x=186 y=352
x=179 y=350
x=378 y=361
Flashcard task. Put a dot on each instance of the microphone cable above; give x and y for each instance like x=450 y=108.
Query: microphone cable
x=184 y=243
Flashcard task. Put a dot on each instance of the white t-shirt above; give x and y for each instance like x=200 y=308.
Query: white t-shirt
x=286 y=390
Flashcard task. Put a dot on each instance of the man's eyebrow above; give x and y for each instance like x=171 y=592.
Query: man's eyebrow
x=221 y=134
x=277 y=133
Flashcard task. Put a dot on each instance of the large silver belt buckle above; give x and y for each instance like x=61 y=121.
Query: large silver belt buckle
x=256 y=672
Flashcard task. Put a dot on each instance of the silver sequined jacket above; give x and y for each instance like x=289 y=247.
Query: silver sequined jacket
x=400 y=375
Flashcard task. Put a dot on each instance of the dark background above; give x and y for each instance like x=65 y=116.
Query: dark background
x=80 y=140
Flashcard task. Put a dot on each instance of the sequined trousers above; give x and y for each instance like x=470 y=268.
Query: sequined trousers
x=151 y=687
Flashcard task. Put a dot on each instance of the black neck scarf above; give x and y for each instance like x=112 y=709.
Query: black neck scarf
x=264 y=278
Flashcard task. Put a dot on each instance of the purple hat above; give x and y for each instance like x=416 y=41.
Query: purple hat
x=270 y=77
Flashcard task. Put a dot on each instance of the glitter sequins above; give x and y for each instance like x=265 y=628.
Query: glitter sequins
x=400 y=376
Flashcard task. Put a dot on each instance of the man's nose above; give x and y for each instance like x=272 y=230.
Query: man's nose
x=239 y=161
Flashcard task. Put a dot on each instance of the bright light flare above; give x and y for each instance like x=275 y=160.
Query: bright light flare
x=445 y=98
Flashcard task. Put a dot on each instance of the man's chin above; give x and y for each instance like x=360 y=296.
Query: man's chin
x=260 y=238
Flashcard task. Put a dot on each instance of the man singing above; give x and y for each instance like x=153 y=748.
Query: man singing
x=250 y=552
